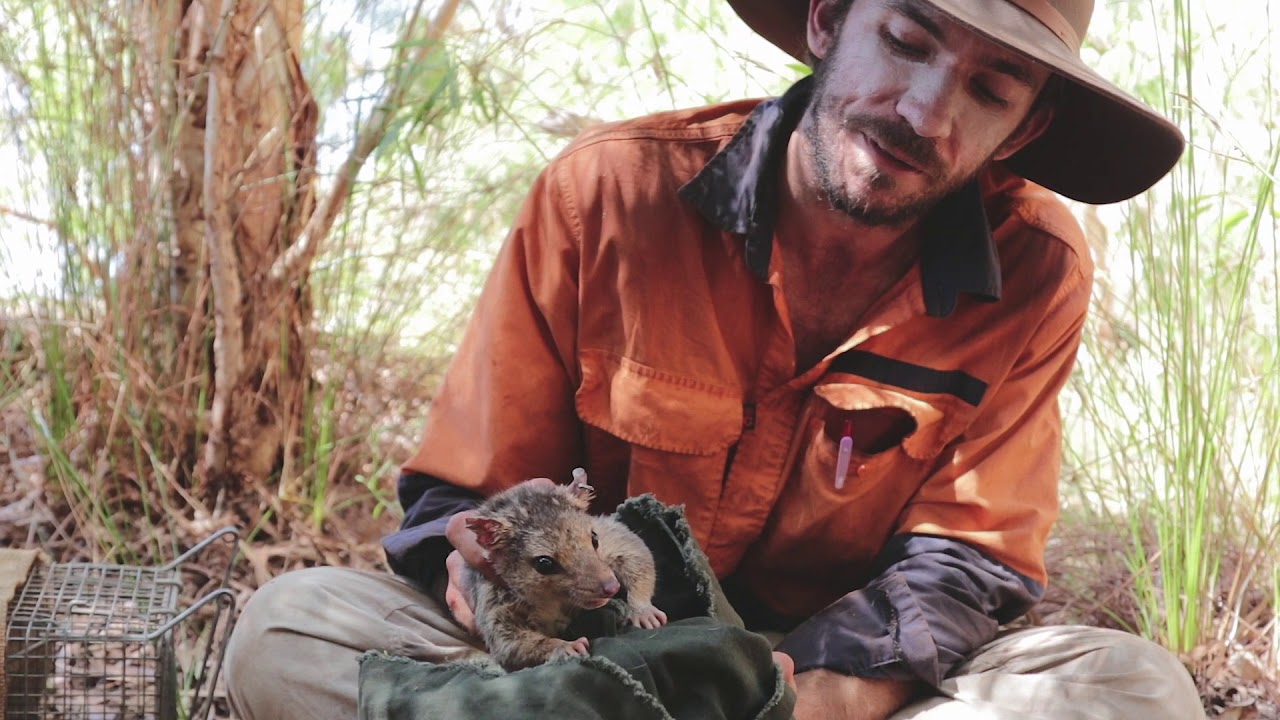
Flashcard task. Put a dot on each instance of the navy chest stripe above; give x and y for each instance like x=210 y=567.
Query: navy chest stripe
x=916 y=378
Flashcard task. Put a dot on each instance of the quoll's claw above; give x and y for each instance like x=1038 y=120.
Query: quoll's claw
x=647 y=617
x=577 y=648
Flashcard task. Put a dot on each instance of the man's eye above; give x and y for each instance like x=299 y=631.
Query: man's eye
x=546 y=565
x=900 y=46
x=990 y=97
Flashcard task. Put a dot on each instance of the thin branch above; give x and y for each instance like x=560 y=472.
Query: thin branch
x=321 y=221
x=228 y=340
x=18 y=214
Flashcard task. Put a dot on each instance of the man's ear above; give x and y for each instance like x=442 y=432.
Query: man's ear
x=822 y=27
x=491 y=533
x=1032 y=127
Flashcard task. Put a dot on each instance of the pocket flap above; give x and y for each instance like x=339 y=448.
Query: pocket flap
x=656 y=409
x=936 y=424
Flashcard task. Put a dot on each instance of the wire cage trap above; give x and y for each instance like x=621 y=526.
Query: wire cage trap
x=90 y=641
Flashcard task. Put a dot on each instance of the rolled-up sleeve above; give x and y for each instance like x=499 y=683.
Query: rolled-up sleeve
x=937 y=600
x=418 y=549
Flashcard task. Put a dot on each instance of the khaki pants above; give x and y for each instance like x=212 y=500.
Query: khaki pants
x=294 y=654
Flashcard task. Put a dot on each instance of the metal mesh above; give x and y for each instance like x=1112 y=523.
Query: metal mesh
x=96 y=642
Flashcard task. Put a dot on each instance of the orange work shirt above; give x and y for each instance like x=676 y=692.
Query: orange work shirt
x=635 y=324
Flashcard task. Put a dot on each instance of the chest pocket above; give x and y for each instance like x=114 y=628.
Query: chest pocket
x=677 y=430
x=899 y=418
x=907 y=405
x=897 y=437
x=881 y=421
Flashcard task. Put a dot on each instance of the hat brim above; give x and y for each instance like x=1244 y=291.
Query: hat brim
x=1103 y=145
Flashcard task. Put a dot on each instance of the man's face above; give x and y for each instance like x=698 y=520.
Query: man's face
x=908 y=106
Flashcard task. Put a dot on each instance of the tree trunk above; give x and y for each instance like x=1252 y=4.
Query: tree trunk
x=245 y=151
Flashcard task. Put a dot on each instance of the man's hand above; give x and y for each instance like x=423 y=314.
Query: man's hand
x=825 y=695
x=455 y=593
x=467 y=551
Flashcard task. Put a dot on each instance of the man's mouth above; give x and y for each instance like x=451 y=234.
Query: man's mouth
x=894 y=157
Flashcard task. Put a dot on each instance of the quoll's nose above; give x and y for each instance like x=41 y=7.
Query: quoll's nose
x=610 y=587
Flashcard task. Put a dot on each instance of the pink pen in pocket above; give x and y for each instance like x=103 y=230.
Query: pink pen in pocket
x=844 y=454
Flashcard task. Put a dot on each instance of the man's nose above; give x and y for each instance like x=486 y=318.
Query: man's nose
x=929 y=104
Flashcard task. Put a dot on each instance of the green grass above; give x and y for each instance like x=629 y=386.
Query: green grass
x=1174 y=411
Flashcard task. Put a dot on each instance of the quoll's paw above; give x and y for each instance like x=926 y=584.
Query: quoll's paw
x=647 y=616
x=577 y=648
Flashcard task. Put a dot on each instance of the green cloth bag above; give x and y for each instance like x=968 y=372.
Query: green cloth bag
x=702 y=665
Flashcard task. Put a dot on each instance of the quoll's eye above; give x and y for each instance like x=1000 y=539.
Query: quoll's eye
x=595 y=540
x=546 y=565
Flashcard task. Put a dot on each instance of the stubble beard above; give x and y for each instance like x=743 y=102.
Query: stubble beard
x=823 y=128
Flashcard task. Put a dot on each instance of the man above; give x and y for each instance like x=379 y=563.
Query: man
x=833 y=326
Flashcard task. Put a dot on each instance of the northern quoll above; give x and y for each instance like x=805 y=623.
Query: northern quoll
x=551 y=561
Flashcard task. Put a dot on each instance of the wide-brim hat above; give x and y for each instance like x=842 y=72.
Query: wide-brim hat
x=1103 y=145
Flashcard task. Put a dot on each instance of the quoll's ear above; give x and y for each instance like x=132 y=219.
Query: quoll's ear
x=491 y=533
x=581 y=493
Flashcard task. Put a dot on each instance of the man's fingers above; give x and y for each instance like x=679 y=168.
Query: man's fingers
x=457 y=532
x=788 y=666
x=461 y=613
x=464 y=541
x=456 y=566
x=455 y=595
